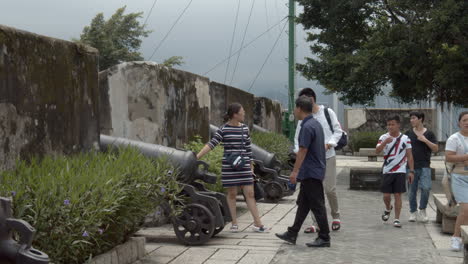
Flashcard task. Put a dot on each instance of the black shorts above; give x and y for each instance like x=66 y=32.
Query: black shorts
x=393 y=183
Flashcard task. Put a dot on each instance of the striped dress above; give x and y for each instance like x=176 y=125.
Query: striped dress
x=231 y=138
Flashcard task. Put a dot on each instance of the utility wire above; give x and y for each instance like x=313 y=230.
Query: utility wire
x=245 y=46
x=242 y=43
x=232 y=40
x=170 y=30
x=268 y=56
x=151 y=10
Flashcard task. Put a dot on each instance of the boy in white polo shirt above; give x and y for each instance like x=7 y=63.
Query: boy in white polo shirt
x=397 y=156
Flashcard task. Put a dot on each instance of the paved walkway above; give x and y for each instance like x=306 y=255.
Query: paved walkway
x=363 y=238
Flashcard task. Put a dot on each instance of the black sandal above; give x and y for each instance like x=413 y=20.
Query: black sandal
x=386 y=214
x=336 y=224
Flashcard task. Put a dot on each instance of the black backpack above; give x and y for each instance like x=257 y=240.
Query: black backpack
x=344 y=137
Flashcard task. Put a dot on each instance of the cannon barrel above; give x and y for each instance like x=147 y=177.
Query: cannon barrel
x=260 y=129
x=269 y=159
x=190 y=168
x=20 y=251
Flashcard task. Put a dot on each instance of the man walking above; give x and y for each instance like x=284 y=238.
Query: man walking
x=309 y=170
x=423 y=144
x=331 y=139
x=397 y=156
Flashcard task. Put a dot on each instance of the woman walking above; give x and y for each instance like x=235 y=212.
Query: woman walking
x=237 y=170
x=456 y=152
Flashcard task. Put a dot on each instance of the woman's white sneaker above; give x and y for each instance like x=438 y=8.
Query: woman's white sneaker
x=456 y=244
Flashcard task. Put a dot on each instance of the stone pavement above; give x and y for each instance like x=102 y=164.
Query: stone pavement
x=364 y=238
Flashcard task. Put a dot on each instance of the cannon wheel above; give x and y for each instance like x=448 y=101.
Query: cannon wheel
x=195 y=225
x=273 y=191
x=218 y=230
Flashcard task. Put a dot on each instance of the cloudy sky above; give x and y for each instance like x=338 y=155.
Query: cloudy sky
x=202 y=36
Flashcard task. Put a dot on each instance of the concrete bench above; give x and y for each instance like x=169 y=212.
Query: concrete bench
x=365 y=178
x=445 y=214
x=464 y=234
x=370 y=153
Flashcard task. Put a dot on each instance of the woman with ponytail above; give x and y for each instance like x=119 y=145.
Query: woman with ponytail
x=237 y=170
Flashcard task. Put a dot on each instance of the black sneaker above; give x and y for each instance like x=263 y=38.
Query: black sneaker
x=386 y=214
x=319 y=242
x=288 y=237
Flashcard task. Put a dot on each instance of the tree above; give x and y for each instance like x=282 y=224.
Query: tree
x=117 y=39
x=173 y=61
x=418 y=48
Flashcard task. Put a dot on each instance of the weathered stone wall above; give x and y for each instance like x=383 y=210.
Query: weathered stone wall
x=374 y=119
x=267 y=114
x=223 y=95
x=48 y=96
x=155 y=104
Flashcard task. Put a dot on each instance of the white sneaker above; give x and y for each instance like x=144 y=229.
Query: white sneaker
x=422 y=216
x=412 y=217
x=456 y=244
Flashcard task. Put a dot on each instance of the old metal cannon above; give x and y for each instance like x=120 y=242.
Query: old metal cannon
x=21 y=251
x=267 y=167
x=208 y=212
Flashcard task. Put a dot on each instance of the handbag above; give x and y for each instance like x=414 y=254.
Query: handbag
x=236 y=159
x=344 y=137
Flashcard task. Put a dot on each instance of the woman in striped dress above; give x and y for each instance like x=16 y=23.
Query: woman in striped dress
x=234 y=136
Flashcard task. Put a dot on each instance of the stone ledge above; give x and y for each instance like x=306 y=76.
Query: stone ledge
x=464 y=233
x=127 y=253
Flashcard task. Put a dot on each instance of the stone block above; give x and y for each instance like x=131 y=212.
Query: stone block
x=140 y=243
x=442 y=204
x=155 y=104
x=103 y=259
x=49 y=96
x=448 y=224
x=114 y=256
x=439 y=216
x=124 y=253
x=365 y=178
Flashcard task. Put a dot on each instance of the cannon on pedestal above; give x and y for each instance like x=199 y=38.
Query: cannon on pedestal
x=267 y=167
x=208 y=212
x=21 y=251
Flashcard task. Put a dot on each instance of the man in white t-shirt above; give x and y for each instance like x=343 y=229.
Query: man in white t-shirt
x=331 y=140
x=397 y=156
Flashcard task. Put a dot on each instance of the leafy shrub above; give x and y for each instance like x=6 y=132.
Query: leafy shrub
x=365 y=139
x=214 y=158
x=274 y=143
x=84 y=205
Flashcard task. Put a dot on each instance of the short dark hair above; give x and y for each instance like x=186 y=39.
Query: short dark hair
x=304 y=103
x=394 y=118
x=309 y=93
x=461 y=115
x=419 y=115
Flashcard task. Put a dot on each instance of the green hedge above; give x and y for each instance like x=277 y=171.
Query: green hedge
x=213 y=158
x=365 y=139
x=84 y=205
x=274 y=143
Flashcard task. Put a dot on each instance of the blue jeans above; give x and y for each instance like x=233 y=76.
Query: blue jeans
x=422 y=180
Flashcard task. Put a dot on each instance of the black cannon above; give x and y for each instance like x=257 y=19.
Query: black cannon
x=267 y=168
x=21 y=251
x=208 y=212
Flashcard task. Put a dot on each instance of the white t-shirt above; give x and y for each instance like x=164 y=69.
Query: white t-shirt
x=330 y=138
x=456 y=145
x=396 y=161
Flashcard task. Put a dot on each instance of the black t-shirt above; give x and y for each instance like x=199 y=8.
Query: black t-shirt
x=421 y=152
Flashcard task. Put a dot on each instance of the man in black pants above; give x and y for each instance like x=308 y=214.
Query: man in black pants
x=309 y=170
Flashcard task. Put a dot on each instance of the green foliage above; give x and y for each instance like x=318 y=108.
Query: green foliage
x=214 y=158
x=419 y=48
x=173 y=61
x=84 y=205
x=365 y=139
x=274 y=143
x=117 y=39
